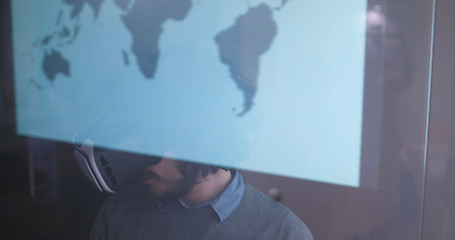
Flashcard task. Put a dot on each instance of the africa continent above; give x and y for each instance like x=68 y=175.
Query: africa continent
x=145 y=22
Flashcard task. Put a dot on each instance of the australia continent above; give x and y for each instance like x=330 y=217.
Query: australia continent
x=54 y=64
x=145 y=22
x=242 y=45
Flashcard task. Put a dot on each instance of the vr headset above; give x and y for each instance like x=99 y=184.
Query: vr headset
x=110 y=170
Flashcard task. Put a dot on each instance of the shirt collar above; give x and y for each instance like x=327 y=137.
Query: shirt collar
x=227 y=201
x=230 y=198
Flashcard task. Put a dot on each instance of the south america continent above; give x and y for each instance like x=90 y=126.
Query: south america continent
x=241 y=46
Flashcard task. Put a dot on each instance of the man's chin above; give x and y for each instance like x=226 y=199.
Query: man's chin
x=161 y=191
x=159 y=195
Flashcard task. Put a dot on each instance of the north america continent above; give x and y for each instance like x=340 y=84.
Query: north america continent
x=241 y=46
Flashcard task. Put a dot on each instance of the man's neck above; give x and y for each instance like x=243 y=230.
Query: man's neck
x=208 y=188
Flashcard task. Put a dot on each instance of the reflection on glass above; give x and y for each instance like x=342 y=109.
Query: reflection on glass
x=374 y=139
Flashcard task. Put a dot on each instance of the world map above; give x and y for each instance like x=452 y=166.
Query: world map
x=240 y=46
x=266 y=85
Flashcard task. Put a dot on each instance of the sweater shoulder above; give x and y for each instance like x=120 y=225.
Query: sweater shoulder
x=266 y=218
x=258 y=200
x=256 y=205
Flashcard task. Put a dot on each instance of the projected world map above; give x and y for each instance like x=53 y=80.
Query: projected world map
x=240 y=46
x=267 y=85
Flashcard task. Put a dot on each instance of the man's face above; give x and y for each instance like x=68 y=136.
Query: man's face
x=165 y=181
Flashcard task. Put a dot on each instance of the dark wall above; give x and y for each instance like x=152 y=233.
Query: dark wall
x=51 y=202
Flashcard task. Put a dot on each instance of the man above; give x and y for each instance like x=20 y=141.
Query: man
x=181 y=200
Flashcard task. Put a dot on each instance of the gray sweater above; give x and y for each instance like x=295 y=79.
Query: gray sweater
x=130 y=214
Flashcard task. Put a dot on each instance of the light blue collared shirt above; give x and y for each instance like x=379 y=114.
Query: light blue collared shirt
x=227 y=201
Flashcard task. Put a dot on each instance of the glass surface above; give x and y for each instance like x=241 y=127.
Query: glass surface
x=43 y=188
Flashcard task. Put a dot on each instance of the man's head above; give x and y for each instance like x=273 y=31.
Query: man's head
x=172 y=178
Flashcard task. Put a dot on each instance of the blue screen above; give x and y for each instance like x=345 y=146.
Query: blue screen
x=271 y=86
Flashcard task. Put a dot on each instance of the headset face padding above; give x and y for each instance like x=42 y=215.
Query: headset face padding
x=110 y=170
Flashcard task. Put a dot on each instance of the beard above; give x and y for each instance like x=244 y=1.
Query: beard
x=161 y=190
